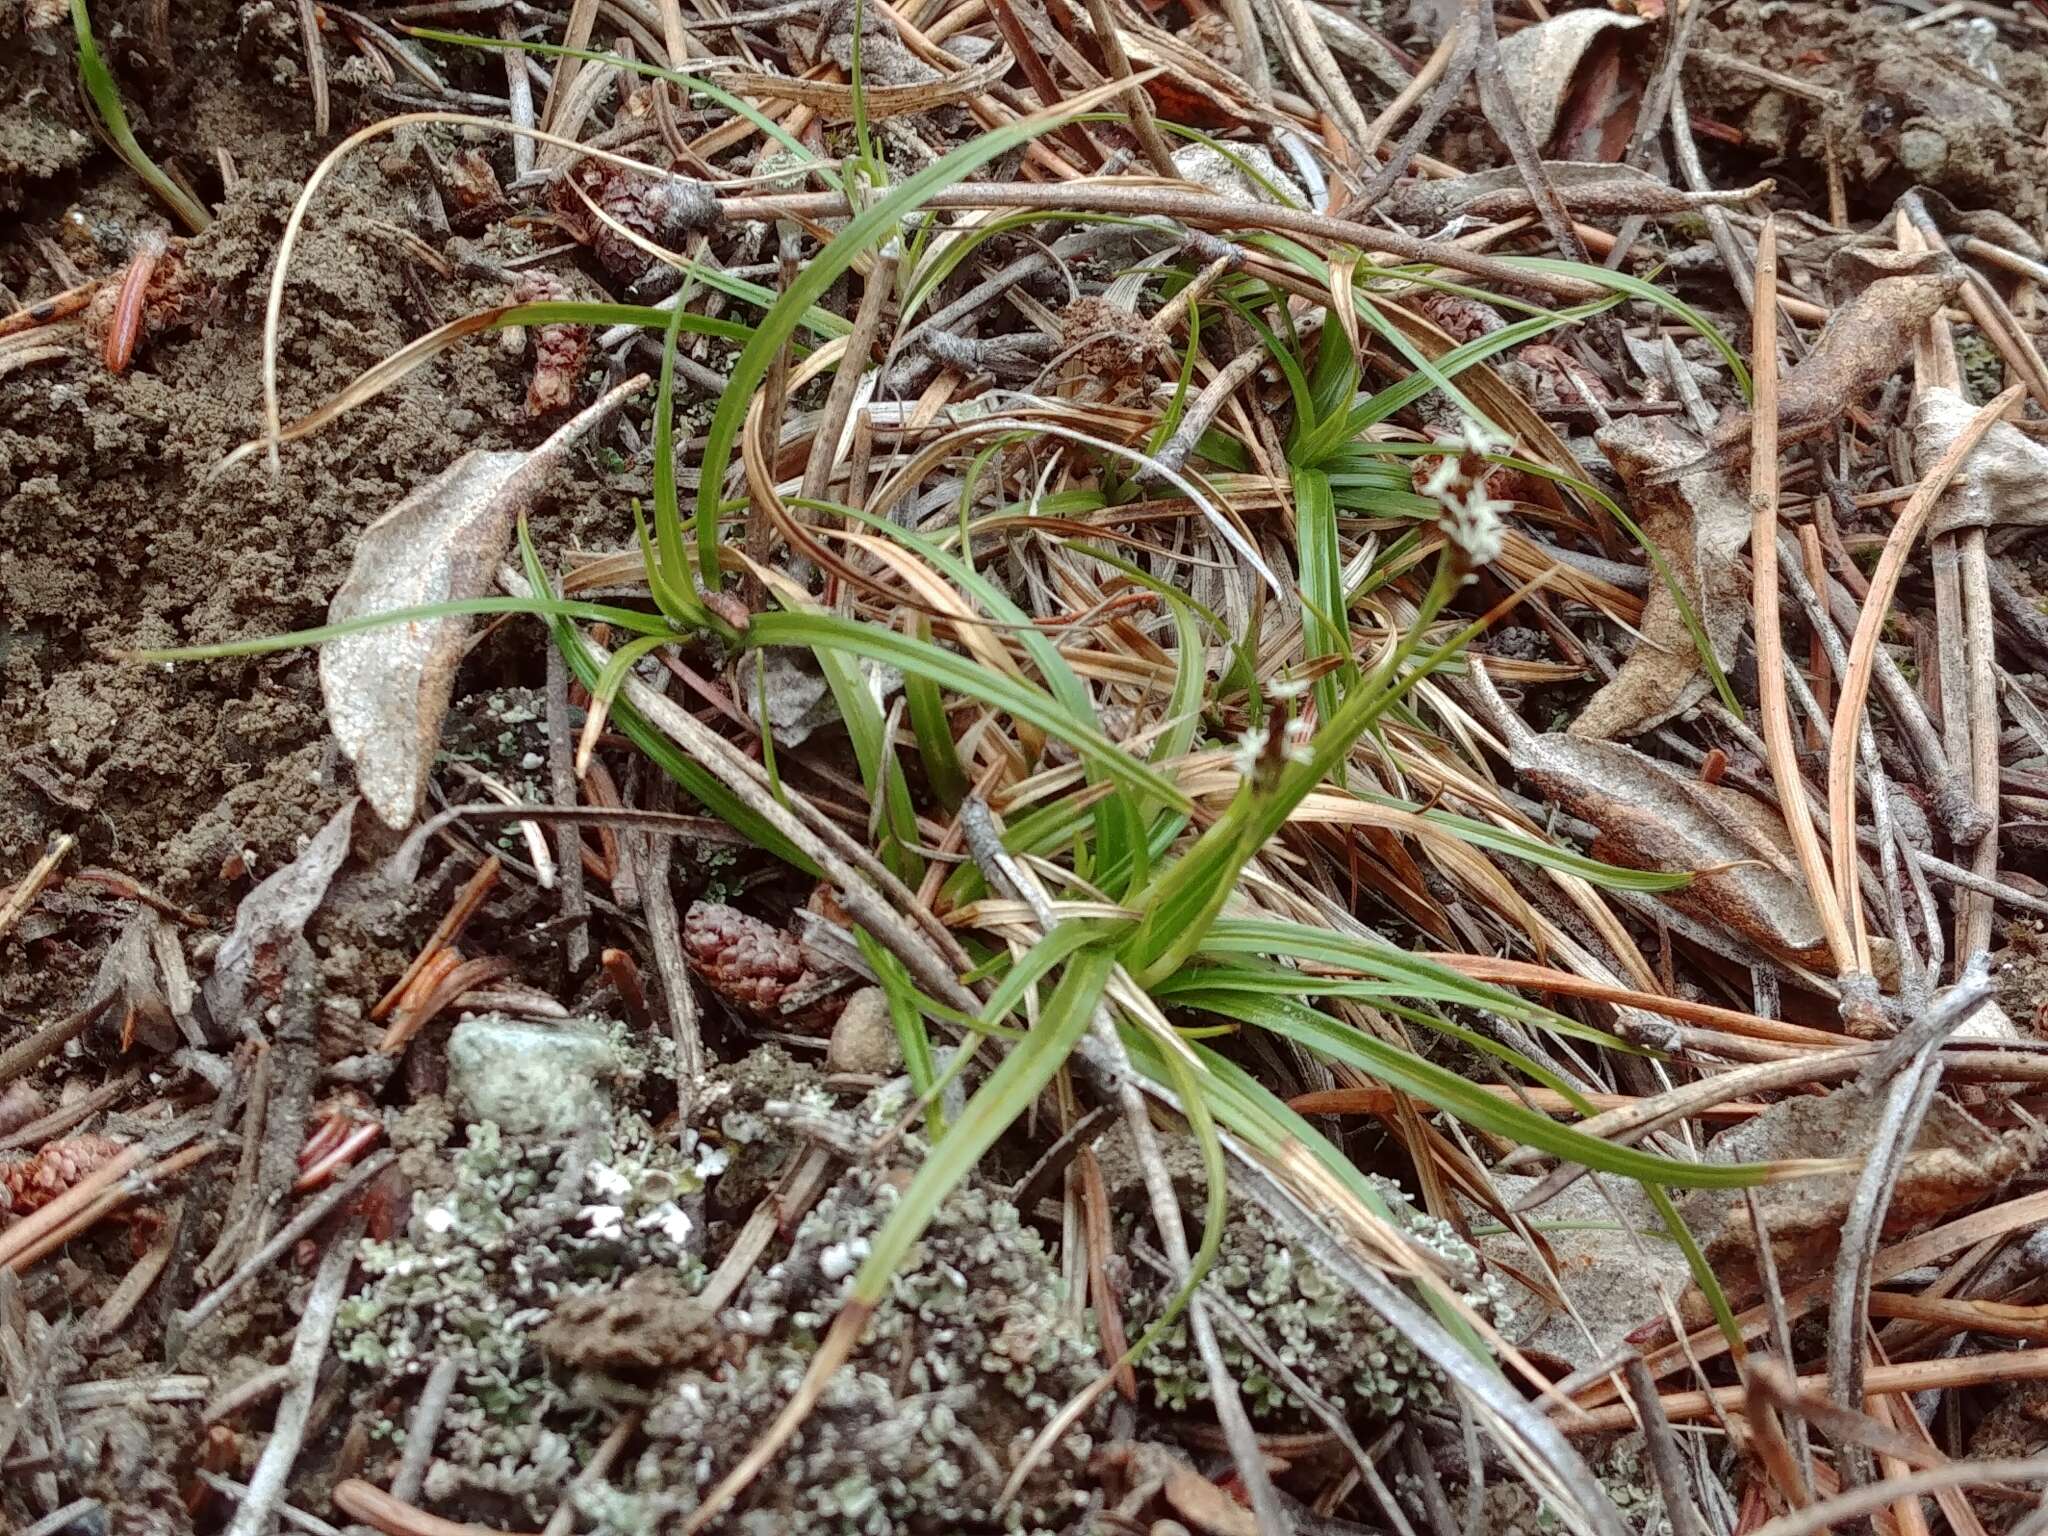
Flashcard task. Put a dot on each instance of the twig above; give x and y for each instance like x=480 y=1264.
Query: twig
x=1452 y=63
x=309 y=1348
x=1506 y=117
x=235 y=1218
x=58 y=1121
x=564 y=1517
x=1665 y=1462
x=29 y=1238
x=373 y=1506
x=25 y=890
x=1781 y=1339
x=57 y=1519
x=1883 y=585
x=2003 y=1365
x=143 y=1274
x=664 y=938
x=245 y=1394
x=314 y=1212
x=1199 y=209
x=1202 y=410
x=1651 y=118
x=519 y=96
x=424 y=1426
x=1864 y=1501
x=568 y=837
x=316 y=65
x=313 y=1525
x=23 y=1055
x=853 y=365
x=1143 y=122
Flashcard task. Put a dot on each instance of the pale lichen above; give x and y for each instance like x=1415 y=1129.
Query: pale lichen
x=974 y=1349
x=482 y=1264
x=1336 y=1344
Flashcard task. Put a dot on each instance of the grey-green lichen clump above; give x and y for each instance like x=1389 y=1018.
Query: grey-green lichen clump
x=974 y=1351
x=1336 y=1344
x=482 y=1265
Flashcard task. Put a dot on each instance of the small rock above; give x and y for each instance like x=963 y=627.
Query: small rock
x=864 y=1040
x=1923 y=151
x=531 y=1078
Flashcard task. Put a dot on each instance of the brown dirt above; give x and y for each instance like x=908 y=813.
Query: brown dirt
x=1913 y=107
x=111 y=534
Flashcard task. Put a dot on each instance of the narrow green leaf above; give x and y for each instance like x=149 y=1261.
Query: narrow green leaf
x=1009 y=1091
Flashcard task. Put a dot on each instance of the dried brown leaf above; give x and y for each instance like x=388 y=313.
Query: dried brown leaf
x=249 y=971
x=1861 y=346
x=129 y=971
x=1954 y=1163
x=1651 y=818
x=1699 y=525
x=1543 y=62
x=387 y=688
x=2003 y=483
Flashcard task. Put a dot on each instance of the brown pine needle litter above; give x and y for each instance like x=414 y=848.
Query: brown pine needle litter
x=906 y=765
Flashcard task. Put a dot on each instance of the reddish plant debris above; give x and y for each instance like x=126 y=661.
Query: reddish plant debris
x=34 y=1182
x=156 y=293
x=474 y=195
x=759 y=969
x=346 y=1127
x=661 y=210
x=558 y=350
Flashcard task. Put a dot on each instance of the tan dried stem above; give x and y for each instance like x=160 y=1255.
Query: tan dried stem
x=1884 y=584
x=1848 y=954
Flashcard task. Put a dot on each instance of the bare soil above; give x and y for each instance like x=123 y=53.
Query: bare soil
x=199 y=780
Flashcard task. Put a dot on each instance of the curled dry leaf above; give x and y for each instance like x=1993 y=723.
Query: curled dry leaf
x=387 y=688
x=2004 y=482
x=1651 y=818
x=1954 y=1163
x=249 y=972
x=143 y=1011
x=1698 y=525
x=1154 y=1474
x=1860 y=347
x=1582 y=49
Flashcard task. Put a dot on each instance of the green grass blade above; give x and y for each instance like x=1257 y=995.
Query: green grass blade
x=874 y=224
x=540 y=607
x=948 y=670
x=106 y=102
x=1448 y=1091
x=996 y=1105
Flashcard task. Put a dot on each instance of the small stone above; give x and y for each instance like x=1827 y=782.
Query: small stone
x=864 y=1040
x=543 y=1079
x=1923 y=151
